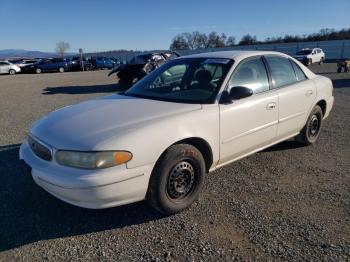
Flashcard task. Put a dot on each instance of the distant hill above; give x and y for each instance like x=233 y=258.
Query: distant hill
x=14 y=53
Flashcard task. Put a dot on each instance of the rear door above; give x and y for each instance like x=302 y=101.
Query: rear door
x=46 y=65
x=296 y=94
x=56 y=63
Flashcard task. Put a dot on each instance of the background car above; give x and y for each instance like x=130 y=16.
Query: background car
x=102 y=63
x=49 y=65
x=343 y=66
x=23 y=64
x=310 y=56
x=75 y=63
x=139 y=66
x=8 y=68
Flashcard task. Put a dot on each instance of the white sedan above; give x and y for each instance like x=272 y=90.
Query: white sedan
x=8 y=68
x=189 y=117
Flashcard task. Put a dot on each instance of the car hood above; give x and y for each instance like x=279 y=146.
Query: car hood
x=299 y=56
x=85 y=125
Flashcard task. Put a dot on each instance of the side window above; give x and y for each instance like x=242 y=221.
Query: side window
x=281 y=70
x=300 y=74
x=251 y=74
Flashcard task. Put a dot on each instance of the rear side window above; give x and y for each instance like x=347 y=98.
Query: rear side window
x=251 y=74
x=281 y=70
x=300 y=74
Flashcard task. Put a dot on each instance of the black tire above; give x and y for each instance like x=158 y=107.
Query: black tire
x=177 y=179
x=87 y=68
x=38 y=71
x=321 y=61
x=339 y=69
x=61 y=70
x=309 y=62
x=311 y=131
x=12 y=72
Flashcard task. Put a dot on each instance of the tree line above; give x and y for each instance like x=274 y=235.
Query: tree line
x=196 y=40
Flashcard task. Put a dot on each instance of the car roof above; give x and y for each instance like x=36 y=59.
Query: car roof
x=241 y=54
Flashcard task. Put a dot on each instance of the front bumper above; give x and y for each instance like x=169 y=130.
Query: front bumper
x=93 y=189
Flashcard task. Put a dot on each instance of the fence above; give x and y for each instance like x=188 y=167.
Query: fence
x=334 y=49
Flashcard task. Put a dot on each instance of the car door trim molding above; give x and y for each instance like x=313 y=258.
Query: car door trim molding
x=250 y=132
x=291 y=116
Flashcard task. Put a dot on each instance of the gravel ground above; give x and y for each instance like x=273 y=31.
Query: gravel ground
x=285 y=203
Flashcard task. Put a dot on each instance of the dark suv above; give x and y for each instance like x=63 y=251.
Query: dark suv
x=75 y=64
x=49 y=65
x=102 y=62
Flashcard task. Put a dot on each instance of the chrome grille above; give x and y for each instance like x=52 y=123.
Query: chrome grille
x=39 y=149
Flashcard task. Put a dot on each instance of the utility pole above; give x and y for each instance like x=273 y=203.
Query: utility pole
x=81 y=58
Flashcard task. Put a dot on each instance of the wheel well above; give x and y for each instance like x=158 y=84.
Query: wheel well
x=203 y=147
x=323 y=105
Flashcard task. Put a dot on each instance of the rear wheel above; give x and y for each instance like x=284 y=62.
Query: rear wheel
x=38 y=71
x=87 y=68
x=311 y=131
x=176 y=179
x=12 y=72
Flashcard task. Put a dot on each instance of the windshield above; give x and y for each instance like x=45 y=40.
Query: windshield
x=304 y=52
x=184 y=80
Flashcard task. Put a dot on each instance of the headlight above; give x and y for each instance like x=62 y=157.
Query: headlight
x=92 y=160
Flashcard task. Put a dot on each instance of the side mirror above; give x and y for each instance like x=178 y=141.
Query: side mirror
x=239 y=92
x=235 y=93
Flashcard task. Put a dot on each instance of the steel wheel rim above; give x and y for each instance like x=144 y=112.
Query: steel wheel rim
x=181 y=180
x=314 y=125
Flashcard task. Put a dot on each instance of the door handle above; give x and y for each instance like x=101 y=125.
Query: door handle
x=271 y=106
x=309 y=92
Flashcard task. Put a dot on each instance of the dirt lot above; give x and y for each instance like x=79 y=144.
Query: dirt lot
x=285 y=203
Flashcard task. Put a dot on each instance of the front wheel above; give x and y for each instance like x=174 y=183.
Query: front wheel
x=177 y=179
x=311 y=131
x=309 y=62
x=38 y=70
x=12 y=72
x=61 y=69
x=321 y=61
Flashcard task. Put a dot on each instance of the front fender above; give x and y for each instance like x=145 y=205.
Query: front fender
x=149 y=140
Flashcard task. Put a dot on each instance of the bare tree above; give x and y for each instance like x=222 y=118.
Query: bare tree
x=62 y=47
x=199 y=40
x=179 y=42
x=248 y=40
x=215 y=40
x=231 y=41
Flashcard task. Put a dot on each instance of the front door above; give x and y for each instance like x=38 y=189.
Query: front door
x=250 y=123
